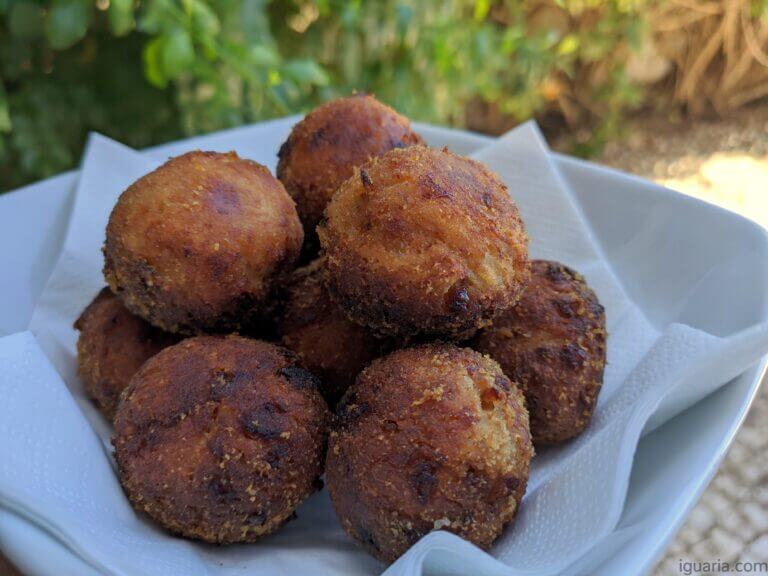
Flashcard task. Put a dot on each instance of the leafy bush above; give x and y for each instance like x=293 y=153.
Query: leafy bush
x=150 y=71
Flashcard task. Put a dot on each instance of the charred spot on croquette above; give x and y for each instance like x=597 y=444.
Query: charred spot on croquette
x=328 y=343
x=324 y=149
x=112 y=345
x=196 y=245
x=413 y=249
x=433 y=437
x=553 y=344
x=220 y=438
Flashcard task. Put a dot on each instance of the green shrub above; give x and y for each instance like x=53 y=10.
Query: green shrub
x=150 y=71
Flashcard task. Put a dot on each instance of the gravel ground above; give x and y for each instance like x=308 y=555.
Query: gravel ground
x=725 y=163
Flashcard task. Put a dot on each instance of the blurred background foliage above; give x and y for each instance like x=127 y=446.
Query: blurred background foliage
x=148 y=71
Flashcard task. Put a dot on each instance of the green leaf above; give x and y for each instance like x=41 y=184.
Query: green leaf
x=204 y=19
x=253 y=20
x=153 y=65
x=121 y=16
x=155 y=15
x=350 y=14
x=264 y=56
x=178 y=54
x=67 y=22
x=481 y=9
x=636 y=34
x=759 y=9
x=404 y=18
x=26 y=20
x=306 y=71
x=568 y=45
x=5 y=115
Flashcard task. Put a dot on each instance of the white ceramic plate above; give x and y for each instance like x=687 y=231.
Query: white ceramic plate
x=664 y=232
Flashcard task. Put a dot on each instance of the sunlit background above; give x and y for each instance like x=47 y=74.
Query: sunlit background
x=675 y=91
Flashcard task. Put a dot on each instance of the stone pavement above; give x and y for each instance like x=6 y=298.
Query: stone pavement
x=730 y=522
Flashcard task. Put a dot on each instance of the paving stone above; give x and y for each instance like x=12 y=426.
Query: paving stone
x=759 y=548
x=756 y=515
x=752 y=438
x=718 y=503
x=677 y=548
x=736 y=525
x=726 y=545
x=701 y=520
x=729 y=485
x=703 y=549
x=688 y=537
x=752 y=472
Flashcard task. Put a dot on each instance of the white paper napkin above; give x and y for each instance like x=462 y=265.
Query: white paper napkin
x=55 y=472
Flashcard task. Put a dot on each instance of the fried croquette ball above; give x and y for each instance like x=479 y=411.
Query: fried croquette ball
x=329 y=344
x=552 y=343
x=428 y=438
x=220 y=438
x=112 y=346
x=195 y=246
x=324 y=148
x=424 y=242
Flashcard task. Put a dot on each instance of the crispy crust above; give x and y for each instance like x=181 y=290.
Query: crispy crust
x=323 y=150
x=553 y=344
x=432 y=437
x=195 y=246
x=220 y=438
x=329 y=344
x=424 y=242
x=112 y=346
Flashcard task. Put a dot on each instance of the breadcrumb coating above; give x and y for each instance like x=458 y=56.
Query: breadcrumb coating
x=553 y=344
x=112 y=345
x=431 y=437
x=196 y=245
x=323 y=150
x=424 y=242
x=329 y=344
x=220 y=438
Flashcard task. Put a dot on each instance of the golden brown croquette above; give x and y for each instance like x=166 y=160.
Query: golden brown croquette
x=324 y=148
x=220 y=438
x=431 y=437
x=424 y=242
x=329 y=344
x=112 y=346
x=195 y=246
x=552 y=343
